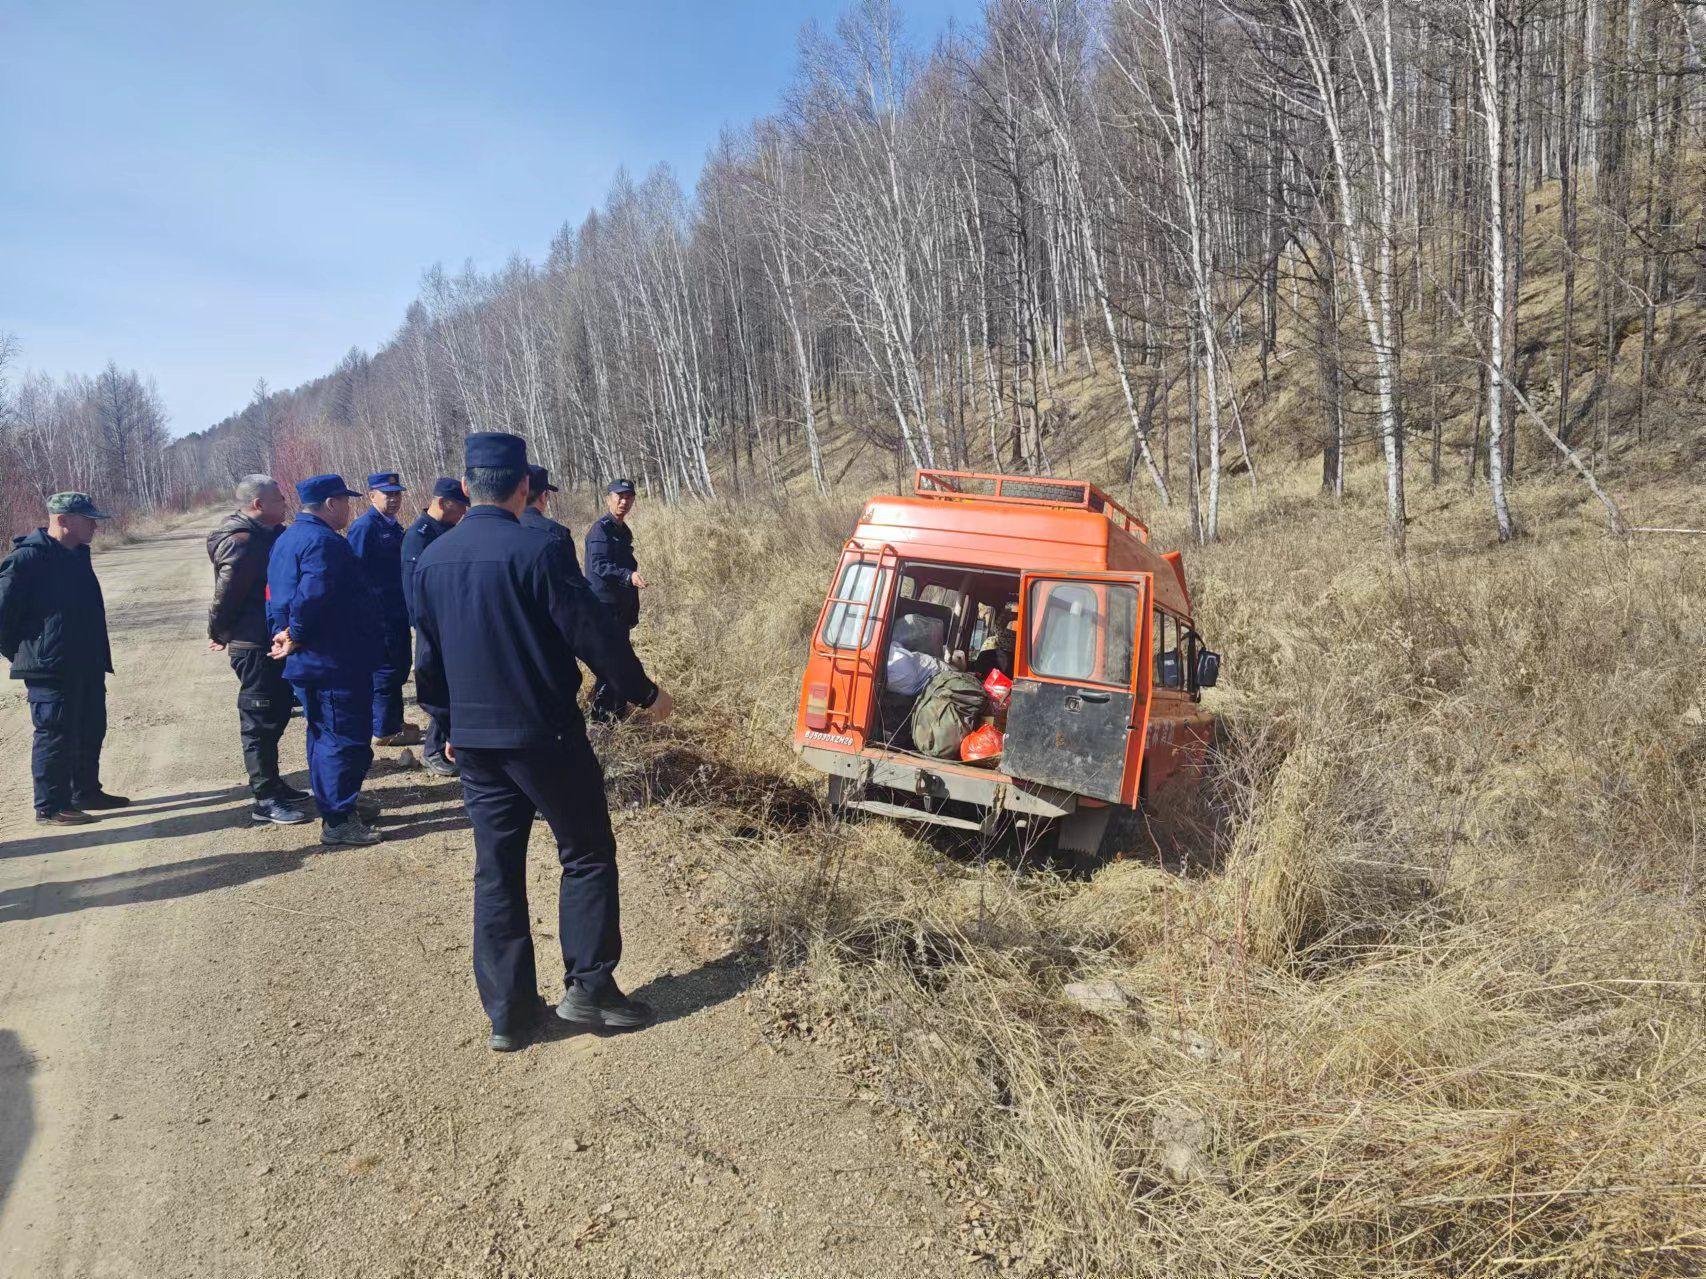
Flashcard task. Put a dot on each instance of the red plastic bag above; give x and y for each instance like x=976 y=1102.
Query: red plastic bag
x=982 y=745
x=998 y=686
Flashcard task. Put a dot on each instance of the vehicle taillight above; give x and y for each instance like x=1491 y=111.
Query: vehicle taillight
x=817 y=706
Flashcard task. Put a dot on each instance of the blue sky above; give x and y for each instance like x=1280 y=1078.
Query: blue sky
x=217 y=192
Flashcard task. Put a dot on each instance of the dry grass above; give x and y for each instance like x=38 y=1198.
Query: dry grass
x=1439 y=1010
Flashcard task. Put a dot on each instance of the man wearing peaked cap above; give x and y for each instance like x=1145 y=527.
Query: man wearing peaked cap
x=324 y=619
x=615 y=577
x=377 y=538
x=449 y=503
x=499 y=626
x=53 y=630
x=539 y=490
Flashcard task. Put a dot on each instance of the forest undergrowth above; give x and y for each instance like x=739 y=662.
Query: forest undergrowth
x=1435 y=1009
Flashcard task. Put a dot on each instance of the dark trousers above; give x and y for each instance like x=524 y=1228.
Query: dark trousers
x=70 y=719
x=502 y=790
x=340 y=749
x=388 y=681
x=264 y=700
x=433 y=746
x=607 y=704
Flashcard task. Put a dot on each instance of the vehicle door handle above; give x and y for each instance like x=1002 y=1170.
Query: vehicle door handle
x=1088 y=696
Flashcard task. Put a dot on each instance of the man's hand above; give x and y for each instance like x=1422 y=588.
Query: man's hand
x=214 y=646
x=450 y=752
x=282 y=646
x=636 y=581
x=661 y=709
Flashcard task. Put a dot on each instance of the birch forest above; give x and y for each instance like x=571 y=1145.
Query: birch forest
x=1422 y=241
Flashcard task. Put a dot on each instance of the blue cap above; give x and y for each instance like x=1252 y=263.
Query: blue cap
x=386 y=482
x=450 y=490
x=494 y=449
x=621 y=486
x=317 y=488
x=539 y=481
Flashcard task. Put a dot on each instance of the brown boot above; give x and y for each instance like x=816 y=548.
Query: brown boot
x=408 y=735
x=64 y=817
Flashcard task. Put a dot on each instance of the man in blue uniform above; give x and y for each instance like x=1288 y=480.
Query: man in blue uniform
x=616 y=581
x=539 y=490
x=449 y=504
x=499 y=625
x=53 y=630
x=324 y=620
x=377 y=539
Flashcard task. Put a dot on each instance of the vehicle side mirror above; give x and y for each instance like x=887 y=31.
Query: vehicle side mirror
x=1208 y=668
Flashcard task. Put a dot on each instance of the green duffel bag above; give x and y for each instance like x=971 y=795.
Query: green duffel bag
x=946 y=711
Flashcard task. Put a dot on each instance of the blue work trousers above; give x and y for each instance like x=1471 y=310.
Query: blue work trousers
x=388 y=681
x=503 y=790
x=340 y=750
x=70 y=721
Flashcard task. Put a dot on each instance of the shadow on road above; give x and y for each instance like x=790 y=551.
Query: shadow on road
x=17 y=1109
x=121 y=828
x=149 y=883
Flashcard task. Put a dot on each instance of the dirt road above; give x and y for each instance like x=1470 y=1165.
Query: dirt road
x=225 y=1050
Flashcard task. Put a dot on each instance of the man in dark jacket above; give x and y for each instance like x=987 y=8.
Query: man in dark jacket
x=324 y=620
x=616 y=581
x=237 y=624
x=449 y=504
x=499 y=625
x=539 y=490
x=53 y=630
x=377 y=539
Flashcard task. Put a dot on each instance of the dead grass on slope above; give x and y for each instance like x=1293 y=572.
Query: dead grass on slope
x=1439 y=1010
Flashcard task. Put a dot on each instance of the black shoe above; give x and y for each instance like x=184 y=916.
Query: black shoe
x=101 y=800
x=520 y=1033
x=290 y=795
x=276 y=812
x=609 y=1009
x=64 y=817
x=351 y=830
x=439 y=766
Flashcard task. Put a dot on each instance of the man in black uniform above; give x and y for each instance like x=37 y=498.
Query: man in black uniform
x=237 y=625
x=539 y=490
x=615 y=577
x=53 y=630
x=449 y=504
x=499 y=624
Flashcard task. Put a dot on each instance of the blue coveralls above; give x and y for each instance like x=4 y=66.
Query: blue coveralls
x=499 y=625
x=422 y=534
x=317 y=590
x=377 y=540
x=610 y=569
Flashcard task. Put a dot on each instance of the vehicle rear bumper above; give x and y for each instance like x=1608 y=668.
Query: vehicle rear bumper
x=946 y=781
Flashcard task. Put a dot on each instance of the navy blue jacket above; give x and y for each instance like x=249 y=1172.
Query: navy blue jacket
x=378 y=543
x=610 y=567
x=317 y=590
x=422 y=534
x=53 y=621
x=533 y=517
x=498 y=626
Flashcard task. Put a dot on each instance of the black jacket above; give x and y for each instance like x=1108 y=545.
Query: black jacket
x=498 y=626
x=53 y=622
x=610 y=567
x=238 y=549
x=422 y=534
x=533 y=517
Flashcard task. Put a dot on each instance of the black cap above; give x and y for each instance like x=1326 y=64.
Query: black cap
x=621 y=486
x=494 y=449
x=450 y=490
x=539 y=481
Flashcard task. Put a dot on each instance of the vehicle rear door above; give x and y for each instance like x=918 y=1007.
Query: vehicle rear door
x=1076 y=699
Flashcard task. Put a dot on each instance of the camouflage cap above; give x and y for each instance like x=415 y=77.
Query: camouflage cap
x=75 y=504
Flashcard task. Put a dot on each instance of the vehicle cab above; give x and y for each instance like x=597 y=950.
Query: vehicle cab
x=1054 y=584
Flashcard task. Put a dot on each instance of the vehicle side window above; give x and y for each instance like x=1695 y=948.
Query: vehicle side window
x=854 y=591
x=1082 y=631
x=1169 y=654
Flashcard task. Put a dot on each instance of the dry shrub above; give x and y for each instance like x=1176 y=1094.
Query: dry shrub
x=1438 y=1012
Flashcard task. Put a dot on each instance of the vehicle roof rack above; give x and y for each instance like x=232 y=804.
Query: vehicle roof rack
x=1027 y=490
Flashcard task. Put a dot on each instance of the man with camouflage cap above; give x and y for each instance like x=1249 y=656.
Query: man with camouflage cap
x=53 y=630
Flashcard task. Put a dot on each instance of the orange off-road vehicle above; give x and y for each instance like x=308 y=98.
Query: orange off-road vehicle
x=1051 y=582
